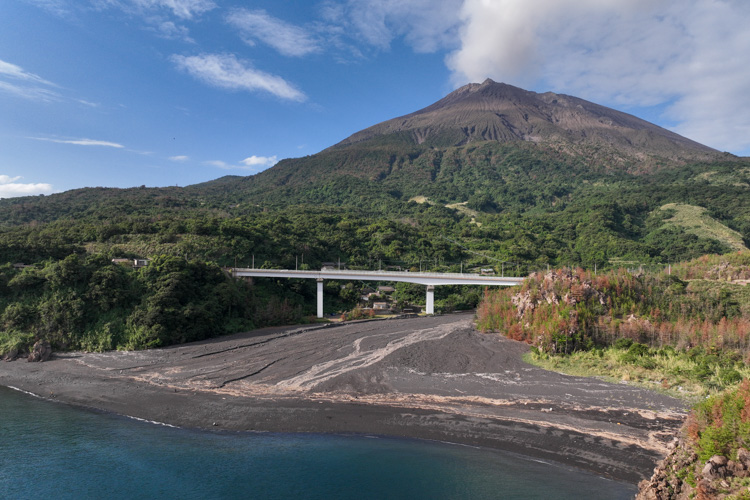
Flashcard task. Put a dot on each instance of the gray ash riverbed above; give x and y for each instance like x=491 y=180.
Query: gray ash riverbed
x=431 y=378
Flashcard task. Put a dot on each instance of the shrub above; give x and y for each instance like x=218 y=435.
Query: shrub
x=721 y=424
x=623 y=344
x=639 y=350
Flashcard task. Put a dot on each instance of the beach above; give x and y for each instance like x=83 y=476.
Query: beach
x=433 y=378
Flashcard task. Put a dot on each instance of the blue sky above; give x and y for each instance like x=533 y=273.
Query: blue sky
x=174 y=92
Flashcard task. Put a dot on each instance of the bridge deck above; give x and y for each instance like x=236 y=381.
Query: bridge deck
x=409 y=277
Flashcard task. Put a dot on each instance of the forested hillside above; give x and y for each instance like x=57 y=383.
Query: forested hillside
x=538 y=180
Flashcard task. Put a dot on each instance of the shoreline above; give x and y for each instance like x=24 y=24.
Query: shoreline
x=431 y=379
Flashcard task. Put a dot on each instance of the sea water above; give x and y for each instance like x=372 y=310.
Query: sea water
x=50 y=450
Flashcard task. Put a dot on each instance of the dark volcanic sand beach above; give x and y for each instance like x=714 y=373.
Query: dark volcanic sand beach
x=432 y=378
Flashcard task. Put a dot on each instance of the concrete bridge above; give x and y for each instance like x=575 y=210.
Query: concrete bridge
x=431 y=280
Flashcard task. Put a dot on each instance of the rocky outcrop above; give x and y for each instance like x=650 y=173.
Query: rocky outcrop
x=40 y=352
x=10 y=355
x=667 y=482
x=556 y=287
x=681 y=476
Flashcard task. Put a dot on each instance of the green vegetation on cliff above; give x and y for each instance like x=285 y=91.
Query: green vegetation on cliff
x=690 y=335
x=90 y=303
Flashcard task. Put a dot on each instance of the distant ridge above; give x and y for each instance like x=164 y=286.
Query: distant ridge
x=491 y=147
x=493 y=111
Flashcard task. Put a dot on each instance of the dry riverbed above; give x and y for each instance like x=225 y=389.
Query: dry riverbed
x=432 y=378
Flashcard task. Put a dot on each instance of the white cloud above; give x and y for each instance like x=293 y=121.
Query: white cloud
x=81 y=142
x=260 y=161
x=227 y=72
x=692 y=54
x=288 y=39
x=10 y=189
x=253 y=163
x=689 y=55
x=179 y=158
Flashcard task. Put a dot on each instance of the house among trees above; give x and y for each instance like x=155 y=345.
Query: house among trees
x=135 y=263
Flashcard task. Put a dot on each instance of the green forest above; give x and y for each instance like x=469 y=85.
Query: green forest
x=515 y=208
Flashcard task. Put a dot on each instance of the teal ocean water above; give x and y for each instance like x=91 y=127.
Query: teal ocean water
x=50 y=450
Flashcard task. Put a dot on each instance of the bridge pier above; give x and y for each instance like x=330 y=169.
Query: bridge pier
x=320 y=297
x=430 y=305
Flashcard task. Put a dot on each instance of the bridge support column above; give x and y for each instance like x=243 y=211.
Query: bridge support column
x=430 y=309
x=320 y=297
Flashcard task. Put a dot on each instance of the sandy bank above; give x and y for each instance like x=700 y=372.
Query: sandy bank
x=431 y=378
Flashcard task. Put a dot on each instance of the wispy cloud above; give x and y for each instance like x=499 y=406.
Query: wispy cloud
x=171 y=31
x=80 y=142
x=57 y=7
x=425 y=24
x=88 y=103
x=9 y=188
x=258 y=25
x=159 y=16
x=11 y=70
x=179 y=158
x=183 y=9
x=16 y=81
x=32 y=93
x=227 y=72
x=216 y=163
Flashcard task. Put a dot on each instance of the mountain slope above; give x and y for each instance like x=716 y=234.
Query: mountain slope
x=481 y=136
x=546 y=178
x=498 y=112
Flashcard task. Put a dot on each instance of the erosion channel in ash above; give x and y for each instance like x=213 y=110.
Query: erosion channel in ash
x=433 y=378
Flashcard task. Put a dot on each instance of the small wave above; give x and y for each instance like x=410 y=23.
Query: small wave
x=25 y=392
x=151 y=421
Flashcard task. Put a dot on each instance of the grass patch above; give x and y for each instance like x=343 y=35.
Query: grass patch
x=461 y=207
x=695 y=220
x=15 y=343
x=421 y=199
x=690 y=375
x=737 y=177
